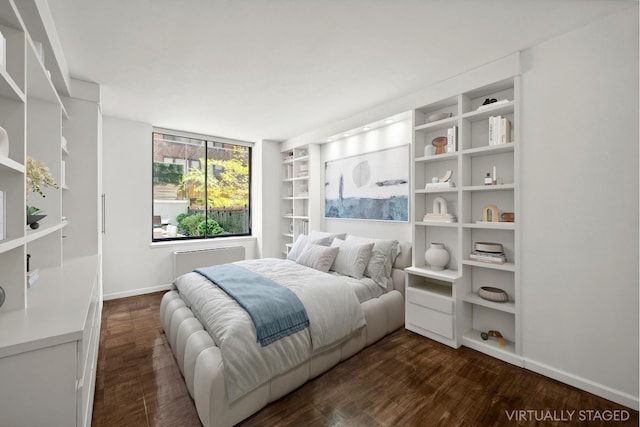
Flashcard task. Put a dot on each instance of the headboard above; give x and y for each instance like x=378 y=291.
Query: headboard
x=403 y=260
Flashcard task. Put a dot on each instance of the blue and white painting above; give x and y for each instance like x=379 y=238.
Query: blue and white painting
x=372 y=186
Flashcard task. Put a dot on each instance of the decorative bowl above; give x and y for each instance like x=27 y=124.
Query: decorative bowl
x=437 y=116
x=493 y=294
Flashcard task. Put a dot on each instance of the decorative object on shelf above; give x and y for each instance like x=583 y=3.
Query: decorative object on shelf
x=440 y=142
x=4 y=143
x=488 y=180
x=440 y=183
x=437 y=116
x=2 y=296
x=507 y=217
x=379 y=191
x=33 y=217
x=437 y=256
x=492 y=102
x=489 y=214
x=485 y=336
x=499 y=130
x=291 y=227
x=493 y=294
x=429 y=150
x=38 y=177
x=440 y=212
x=492 y=253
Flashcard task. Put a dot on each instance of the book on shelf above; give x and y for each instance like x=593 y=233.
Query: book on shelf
x=499 y=130
x=492 y=258
x=452 y=139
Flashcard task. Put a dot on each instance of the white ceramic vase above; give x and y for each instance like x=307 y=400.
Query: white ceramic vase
x=437 y=257
x=4 y=143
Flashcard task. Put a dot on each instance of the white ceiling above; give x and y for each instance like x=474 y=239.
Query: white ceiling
x=273 y=69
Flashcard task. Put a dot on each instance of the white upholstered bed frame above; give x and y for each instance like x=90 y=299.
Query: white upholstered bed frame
x=200 y=360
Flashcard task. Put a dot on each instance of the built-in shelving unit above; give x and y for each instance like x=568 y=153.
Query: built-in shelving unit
x=51 y=323
x=470 y=159
x=300 y=180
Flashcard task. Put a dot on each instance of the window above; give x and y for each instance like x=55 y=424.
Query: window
x=200 y=187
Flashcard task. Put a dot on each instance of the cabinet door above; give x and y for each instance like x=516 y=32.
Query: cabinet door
x=39 y=387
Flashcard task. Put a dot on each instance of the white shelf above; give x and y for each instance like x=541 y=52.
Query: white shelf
x=491 y=225
x=11 y=243
x=507 y=266
x=491 y=347
x=42 y=231
x=437 y=125
x=9 y=88
x=437 y=190
x=7 y=163
x=437 y=224
x=444 y=275
x=489 y=150
x=507 y=306
x=437 y=157
x=499 y=187
x=485 y=113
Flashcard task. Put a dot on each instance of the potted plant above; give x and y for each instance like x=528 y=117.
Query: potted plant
x=38 y=177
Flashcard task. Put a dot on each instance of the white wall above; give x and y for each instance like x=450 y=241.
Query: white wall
x=580 y=206
x=392 y=135
x=265 y=203
x=131 y=264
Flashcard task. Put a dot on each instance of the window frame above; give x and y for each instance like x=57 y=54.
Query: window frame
x=210 y=141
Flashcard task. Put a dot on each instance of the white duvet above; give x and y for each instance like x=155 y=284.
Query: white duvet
x=332 y=306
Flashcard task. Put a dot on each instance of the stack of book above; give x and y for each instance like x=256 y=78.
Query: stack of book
x=452 y=139
x=488 y=252
x=499 y=130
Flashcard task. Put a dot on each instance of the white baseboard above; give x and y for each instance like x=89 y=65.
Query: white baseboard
x=603 y=391
x=135 y=292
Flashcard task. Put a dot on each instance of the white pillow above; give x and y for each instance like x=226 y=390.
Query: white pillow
x=382 y=257
x=302 y=241
x=352 y=258
x=318 y=257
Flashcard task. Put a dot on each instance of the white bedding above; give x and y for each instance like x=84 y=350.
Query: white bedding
x=330 y=301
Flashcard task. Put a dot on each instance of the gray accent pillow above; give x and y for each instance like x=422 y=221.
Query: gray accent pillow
x=352 y=258
x=381 y=261
x=318 y=257
x=301 y=243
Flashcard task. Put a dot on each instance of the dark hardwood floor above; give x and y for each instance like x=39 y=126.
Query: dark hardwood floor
x=403 y=380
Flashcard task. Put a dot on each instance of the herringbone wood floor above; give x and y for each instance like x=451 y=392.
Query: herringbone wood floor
x=403 y=380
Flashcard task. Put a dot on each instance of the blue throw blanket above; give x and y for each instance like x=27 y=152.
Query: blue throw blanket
x=275 y=310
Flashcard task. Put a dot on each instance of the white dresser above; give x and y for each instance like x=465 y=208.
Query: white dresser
x=48 y=352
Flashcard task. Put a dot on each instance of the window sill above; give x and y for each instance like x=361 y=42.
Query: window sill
x=203 y=243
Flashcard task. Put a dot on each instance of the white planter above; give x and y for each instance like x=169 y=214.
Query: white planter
x=437 y=257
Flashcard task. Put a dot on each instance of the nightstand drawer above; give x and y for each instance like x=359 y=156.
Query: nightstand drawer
x=430 y=300
x=431 y=320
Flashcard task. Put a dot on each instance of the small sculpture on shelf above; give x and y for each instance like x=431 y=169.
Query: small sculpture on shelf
x=485 y=336
x=440 y=212
x=441 y=183
x=440 y=143
x=38 y=177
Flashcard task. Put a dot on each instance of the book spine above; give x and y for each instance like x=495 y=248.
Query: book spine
x=491 y=130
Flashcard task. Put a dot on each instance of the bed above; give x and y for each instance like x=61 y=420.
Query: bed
x=227 y=390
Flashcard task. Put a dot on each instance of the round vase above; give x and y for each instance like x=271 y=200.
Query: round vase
x=437 y=257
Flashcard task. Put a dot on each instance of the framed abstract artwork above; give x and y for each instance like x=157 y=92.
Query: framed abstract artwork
x=372 y=186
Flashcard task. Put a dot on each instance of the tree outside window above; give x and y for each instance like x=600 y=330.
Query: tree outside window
x=201 y=188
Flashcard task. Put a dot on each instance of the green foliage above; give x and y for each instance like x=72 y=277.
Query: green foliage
x=209 y=228
x=167 y=173
x=189 y=224
x=197 y=225
x=231 y=189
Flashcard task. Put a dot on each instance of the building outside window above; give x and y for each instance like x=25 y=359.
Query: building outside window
x=201 y=187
